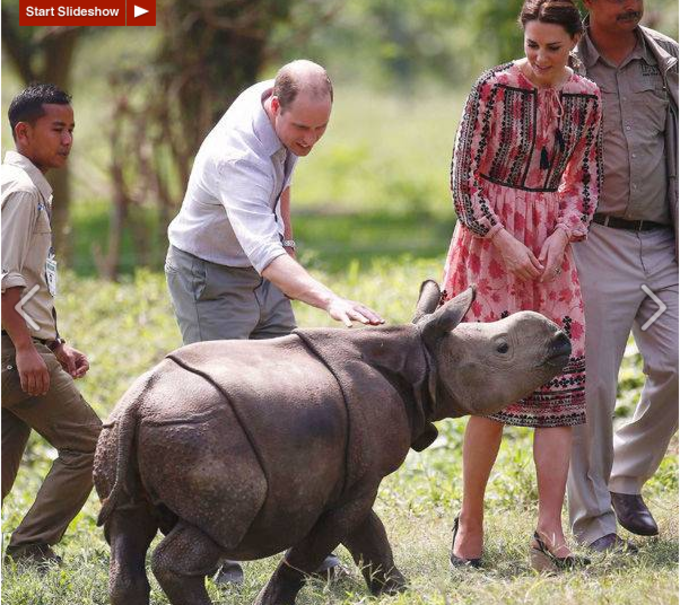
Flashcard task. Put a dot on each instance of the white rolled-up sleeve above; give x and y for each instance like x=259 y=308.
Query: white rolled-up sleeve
x=245 y=189
x=19 y=213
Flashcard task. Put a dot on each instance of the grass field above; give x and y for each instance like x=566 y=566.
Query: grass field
x=127 y=327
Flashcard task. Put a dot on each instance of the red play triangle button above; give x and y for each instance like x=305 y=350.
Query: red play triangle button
x=139 y=11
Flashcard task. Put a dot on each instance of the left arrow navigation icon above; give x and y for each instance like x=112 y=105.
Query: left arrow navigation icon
x=19 y=307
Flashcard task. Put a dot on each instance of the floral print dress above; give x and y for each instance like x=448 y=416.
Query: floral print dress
x=527 y=159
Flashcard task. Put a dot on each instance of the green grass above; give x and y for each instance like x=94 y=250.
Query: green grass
x=127 y=327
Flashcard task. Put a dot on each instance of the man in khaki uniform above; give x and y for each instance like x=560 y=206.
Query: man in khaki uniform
x=629 y=272
x=38 y=368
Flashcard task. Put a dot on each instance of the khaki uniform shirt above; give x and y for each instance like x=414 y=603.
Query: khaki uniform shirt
x=634 y=104
x=26 y=202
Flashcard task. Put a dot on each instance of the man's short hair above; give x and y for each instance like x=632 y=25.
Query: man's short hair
x=27 y=106
x=288 y=84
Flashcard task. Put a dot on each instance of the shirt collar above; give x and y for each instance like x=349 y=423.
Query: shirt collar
x=590 y=55
x=14 y=158
x=263 y=128
x=642 y=49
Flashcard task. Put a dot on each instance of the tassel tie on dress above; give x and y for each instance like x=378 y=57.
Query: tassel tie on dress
x=557 y=103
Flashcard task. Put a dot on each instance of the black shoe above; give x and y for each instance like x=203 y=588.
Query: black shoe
x=611 y=543
x=543 y=560
x=459 y=561
x=229 y=572
x=330 y=569
x=633 y=514
x=39 y=555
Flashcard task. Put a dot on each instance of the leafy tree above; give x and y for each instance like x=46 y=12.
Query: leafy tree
x=208 y=53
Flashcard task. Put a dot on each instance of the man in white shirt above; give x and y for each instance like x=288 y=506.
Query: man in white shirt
x=231 y=265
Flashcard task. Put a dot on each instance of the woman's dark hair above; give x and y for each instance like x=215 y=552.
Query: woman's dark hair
x=558 y=12
x=27 y=106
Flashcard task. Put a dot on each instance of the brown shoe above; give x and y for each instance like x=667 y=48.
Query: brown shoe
x=40 y=555
x=611 y=543
x=633 y=514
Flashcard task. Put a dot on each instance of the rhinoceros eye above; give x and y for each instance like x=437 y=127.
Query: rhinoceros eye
x=504 y=347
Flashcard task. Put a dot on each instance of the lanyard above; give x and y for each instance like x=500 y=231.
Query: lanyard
x=50 y=255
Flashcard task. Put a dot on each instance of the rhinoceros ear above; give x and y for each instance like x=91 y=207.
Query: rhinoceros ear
x=447 y=317
x=428 y=300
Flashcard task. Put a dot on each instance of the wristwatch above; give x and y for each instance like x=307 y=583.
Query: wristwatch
x=53 y=345
x=289 y=243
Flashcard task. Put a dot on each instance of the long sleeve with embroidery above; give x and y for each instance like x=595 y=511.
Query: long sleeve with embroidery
x=472 y=207
x=581 y=184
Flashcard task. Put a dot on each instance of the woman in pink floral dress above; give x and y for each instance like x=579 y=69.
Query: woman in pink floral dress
x=525 y=180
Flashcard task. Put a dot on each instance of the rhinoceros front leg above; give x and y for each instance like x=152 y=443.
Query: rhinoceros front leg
x=372 y=552
x=182 y=561
x=306 y=557
x=129 y=530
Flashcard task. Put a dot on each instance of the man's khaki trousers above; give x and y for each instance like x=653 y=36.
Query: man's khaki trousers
x=613 y=266
x=68 y=424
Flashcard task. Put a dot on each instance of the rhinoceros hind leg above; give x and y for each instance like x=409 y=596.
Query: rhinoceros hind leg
x=282 y=587
x=182 y=561
x=305 y=557
x=372 y=552
x=129 y=530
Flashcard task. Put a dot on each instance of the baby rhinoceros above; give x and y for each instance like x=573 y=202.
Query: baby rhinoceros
x=243 y=449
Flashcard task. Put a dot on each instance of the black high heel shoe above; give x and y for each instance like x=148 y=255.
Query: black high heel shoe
x=459 y=561
x=543 y=560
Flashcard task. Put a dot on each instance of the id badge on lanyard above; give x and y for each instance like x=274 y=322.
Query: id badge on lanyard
x=51 y=262
x=51 y=273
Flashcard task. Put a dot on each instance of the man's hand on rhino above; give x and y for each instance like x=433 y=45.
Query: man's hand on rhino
x=348 y=311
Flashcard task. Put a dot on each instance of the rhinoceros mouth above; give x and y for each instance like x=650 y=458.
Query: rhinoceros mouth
x=558 y=361
x=558 y=354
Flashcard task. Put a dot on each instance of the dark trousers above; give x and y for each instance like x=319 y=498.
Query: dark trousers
x=65 y=420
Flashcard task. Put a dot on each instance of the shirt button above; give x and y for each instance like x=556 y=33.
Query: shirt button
x=634 y=186
x=627 y=127
x=624 y=98
x=634 y=155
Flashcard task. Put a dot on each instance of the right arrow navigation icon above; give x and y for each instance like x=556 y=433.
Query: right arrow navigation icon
x=139 y=11
x=662 y=307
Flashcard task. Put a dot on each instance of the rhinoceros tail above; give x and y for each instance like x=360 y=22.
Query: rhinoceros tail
x=126 y=427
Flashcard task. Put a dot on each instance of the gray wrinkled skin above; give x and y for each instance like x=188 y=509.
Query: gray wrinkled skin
x=243 y=449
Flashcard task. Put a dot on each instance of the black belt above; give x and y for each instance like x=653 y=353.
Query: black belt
x=621 y=223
